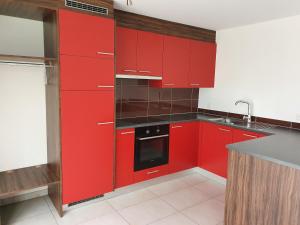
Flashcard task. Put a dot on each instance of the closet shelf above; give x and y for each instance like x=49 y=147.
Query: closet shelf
x=26 y=59
x=25 y=179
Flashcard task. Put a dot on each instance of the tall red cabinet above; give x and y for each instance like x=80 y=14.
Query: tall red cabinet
x=87 y=105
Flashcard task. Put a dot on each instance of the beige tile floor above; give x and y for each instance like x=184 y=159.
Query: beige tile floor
x=188 y=200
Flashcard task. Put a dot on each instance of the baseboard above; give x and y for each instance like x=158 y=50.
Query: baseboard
x=26 y=195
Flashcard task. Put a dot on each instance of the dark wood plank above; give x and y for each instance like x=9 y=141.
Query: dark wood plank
x=28 y=59
x=51 y=47
x=29 y=9
x=135 y=21
x=19 y=180
x=39 y=9
x=261 y=192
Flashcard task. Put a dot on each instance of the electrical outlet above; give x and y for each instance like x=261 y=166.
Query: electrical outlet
x=298 y=117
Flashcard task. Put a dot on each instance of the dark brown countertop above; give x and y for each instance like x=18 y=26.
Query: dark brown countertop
x=281 y=145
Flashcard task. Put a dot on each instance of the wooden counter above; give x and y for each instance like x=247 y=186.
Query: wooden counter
x=261 y=192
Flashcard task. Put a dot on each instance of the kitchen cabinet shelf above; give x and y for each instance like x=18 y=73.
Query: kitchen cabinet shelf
x=26 y=59
x=15 y=181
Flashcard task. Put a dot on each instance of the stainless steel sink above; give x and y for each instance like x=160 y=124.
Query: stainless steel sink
x=241 y=123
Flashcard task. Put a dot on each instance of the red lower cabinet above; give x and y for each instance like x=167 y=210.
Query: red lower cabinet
x=87 y=144
x=151 y=173
x=242 y=135
x=183 y=149
x=124 y=158
x=213 y=152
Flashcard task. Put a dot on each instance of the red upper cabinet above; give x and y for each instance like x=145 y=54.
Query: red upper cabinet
x=202 y=64
x=126 y=50
x=149 y=54
x=183 y=146
x=175 y=62
x=124 y=158
x=213 y=151
x=139 y=52
x=83 y=73
x=87 y=131
x=242 y=135
x=86 y=35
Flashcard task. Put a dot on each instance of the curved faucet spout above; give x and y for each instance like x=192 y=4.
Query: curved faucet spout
x=248 y=116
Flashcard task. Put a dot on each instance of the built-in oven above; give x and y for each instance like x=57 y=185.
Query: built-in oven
x=151 y=147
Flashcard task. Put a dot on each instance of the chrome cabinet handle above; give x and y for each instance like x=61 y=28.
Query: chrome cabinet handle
x=195 y=84
x=221 y=129
x=105 y=86
x=174 y=127
x=104 y=123
x=144 y=71
x=129 y=132
x=248 y=135
x=130 y=71
x=169 y=84
x=153 y=137
x=152 y=172
x=105 y=53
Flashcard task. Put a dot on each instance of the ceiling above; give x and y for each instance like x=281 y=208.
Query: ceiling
x=213 y=14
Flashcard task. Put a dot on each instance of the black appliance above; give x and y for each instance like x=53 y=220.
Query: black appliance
x=151 y=147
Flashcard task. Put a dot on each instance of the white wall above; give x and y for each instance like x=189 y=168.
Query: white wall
x=260 y=63
x=22 y=97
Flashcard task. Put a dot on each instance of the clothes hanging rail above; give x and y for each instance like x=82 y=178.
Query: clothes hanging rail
x=29 y=64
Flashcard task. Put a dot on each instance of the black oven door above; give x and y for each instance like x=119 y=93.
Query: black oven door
x=151 y=151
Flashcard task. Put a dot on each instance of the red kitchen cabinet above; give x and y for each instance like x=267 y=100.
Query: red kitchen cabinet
x=183 y=151
x=243 y=135
x=86 y=35
x=139 y=52
x=213 y=151
x=175 y=62
x=126 y=50
x=83 y=73
x=202 y=64
x=125 y=158
x=151 y=173
x=87 y=131
x=149 y=54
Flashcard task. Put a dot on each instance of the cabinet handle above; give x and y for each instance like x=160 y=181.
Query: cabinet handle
x=130 y=71
x=105 y=53
x=144 y=71
x=129 y=132
x=195 y=84
x=169 y=84
x=152 y=172
x=221 y=129
x=104 y=86
x=174 y=127
x=248 y=135
x=104 y=123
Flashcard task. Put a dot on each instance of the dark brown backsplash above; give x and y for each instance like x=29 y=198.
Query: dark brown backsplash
x=135 y=98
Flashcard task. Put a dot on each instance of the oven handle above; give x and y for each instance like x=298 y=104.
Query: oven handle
x=153 y=137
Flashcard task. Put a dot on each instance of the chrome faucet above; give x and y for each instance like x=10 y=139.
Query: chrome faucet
x=248 y=116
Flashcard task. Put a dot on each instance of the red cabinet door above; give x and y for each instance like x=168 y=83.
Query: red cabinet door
x=85 y=35
x=149 y=54
x=175 y=62
x=183 y=151
x=202 y=64
x=242 y=135
x=87 y=144
x=151 y=173
x=83 y=73
x=125 y=158
x=126 y=50
x=213 y=152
